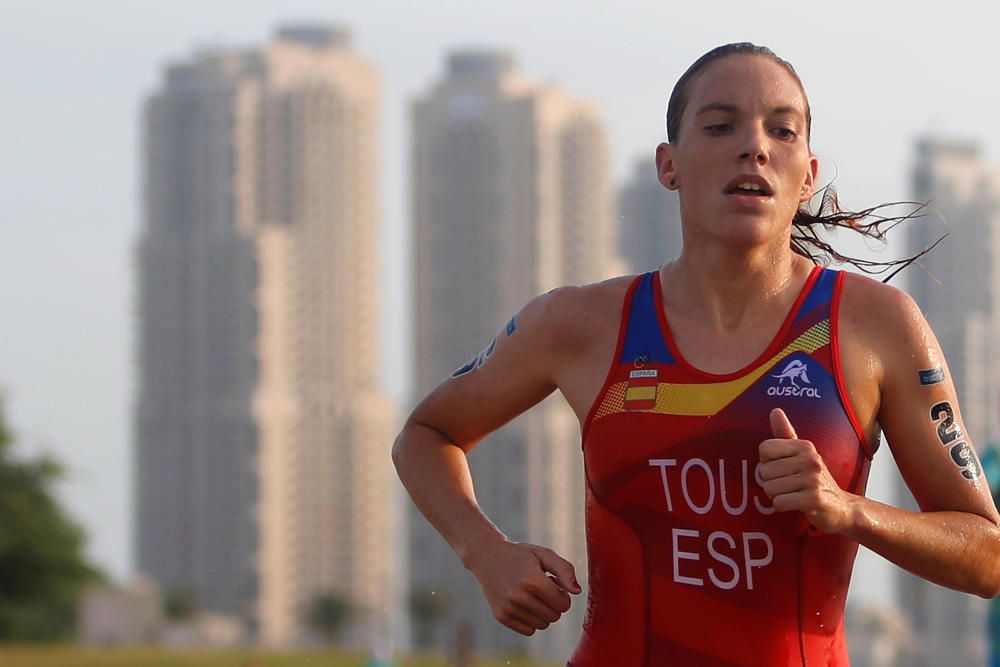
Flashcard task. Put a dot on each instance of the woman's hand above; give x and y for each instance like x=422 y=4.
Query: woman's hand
x=516 y=580
x=796 y=478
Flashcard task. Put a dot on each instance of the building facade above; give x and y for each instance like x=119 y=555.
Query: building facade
x=879 y=636
x=512 y=196
x=650 y=220
x=261 y=442
x=958 y=288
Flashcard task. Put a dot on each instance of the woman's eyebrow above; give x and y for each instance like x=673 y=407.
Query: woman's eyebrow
x=787 y=110
x=784 y=110
x=718 y=106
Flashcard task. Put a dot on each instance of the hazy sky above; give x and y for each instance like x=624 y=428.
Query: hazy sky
x=73 y=74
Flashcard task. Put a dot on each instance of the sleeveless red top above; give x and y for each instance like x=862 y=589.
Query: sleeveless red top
x=690 y=565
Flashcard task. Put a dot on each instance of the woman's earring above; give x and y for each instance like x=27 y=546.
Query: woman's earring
x=673 y=182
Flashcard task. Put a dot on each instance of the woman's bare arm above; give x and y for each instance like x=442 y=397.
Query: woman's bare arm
x=954 y=540
x=512 y=374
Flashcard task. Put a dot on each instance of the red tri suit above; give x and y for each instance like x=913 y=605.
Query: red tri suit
x=690 y=565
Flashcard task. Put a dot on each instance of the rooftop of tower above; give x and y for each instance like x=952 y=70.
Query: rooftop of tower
x=933 y=146
x=322 y=35
x=480 y=62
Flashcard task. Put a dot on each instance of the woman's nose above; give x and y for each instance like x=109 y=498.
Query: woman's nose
x=758 y=155
x=754 y=147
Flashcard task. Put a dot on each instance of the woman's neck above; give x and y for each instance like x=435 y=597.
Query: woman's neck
x=719 y=286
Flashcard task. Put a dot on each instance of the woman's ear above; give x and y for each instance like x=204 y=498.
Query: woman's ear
x=809 y=185
x=666 y=170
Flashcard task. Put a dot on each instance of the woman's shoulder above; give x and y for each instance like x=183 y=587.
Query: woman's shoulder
x=579 y=315
x=582 y=304
x=884 y=343
x=604 y=293
x=884 y=318
x=877 y=303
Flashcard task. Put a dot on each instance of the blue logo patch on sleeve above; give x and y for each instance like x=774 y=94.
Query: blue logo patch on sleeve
x=932 y=376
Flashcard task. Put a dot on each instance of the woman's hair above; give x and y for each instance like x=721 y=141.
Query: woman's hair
x=679 y=96
x=806 y=240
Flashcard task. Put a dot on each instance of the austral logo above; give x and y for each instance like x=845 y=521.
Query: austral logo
x=793 y=380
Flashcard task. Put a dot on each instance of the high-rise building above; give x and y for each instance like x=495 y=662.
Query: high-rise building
x=512 y=196
x=261 y=442
x=879 y=636
x=958 y=289
x=649 y=218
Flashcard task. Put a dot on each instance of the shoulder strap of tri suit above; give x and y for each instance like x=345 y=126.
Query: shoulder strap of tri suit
x=820 y=294
x=643 y=337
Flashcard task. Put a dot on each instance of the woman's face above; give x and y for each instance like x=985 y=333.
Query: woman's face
x=741 y=160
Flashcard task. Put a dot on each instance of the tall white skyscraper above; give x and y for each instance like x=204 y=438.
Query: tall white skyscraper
x=262 y=438
x=959 y=292
x=650 y=219
x=512 y=196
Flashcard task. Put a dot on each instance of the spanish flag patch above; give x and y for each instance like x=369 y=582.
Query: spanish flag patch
x=640 y=392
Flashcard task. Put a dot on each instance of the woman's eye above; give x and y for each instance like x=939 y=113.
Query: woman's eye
x=785 y=133
x=718 y=128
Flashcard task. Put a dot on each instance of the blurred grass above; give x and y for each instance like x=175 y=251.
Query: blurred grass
x=73 y=656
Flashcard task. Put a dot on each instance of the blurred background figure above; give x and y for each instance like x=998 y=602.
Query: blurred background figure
x=380 y=656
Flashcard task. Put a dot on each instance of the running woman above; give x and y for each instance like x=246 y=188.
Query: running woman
x=730 y=404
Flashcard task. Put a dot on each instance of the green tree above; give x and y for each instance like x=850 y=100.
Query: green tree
x=328 y=614
x=42 y=566
x=179 y=604
x=427 y=609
